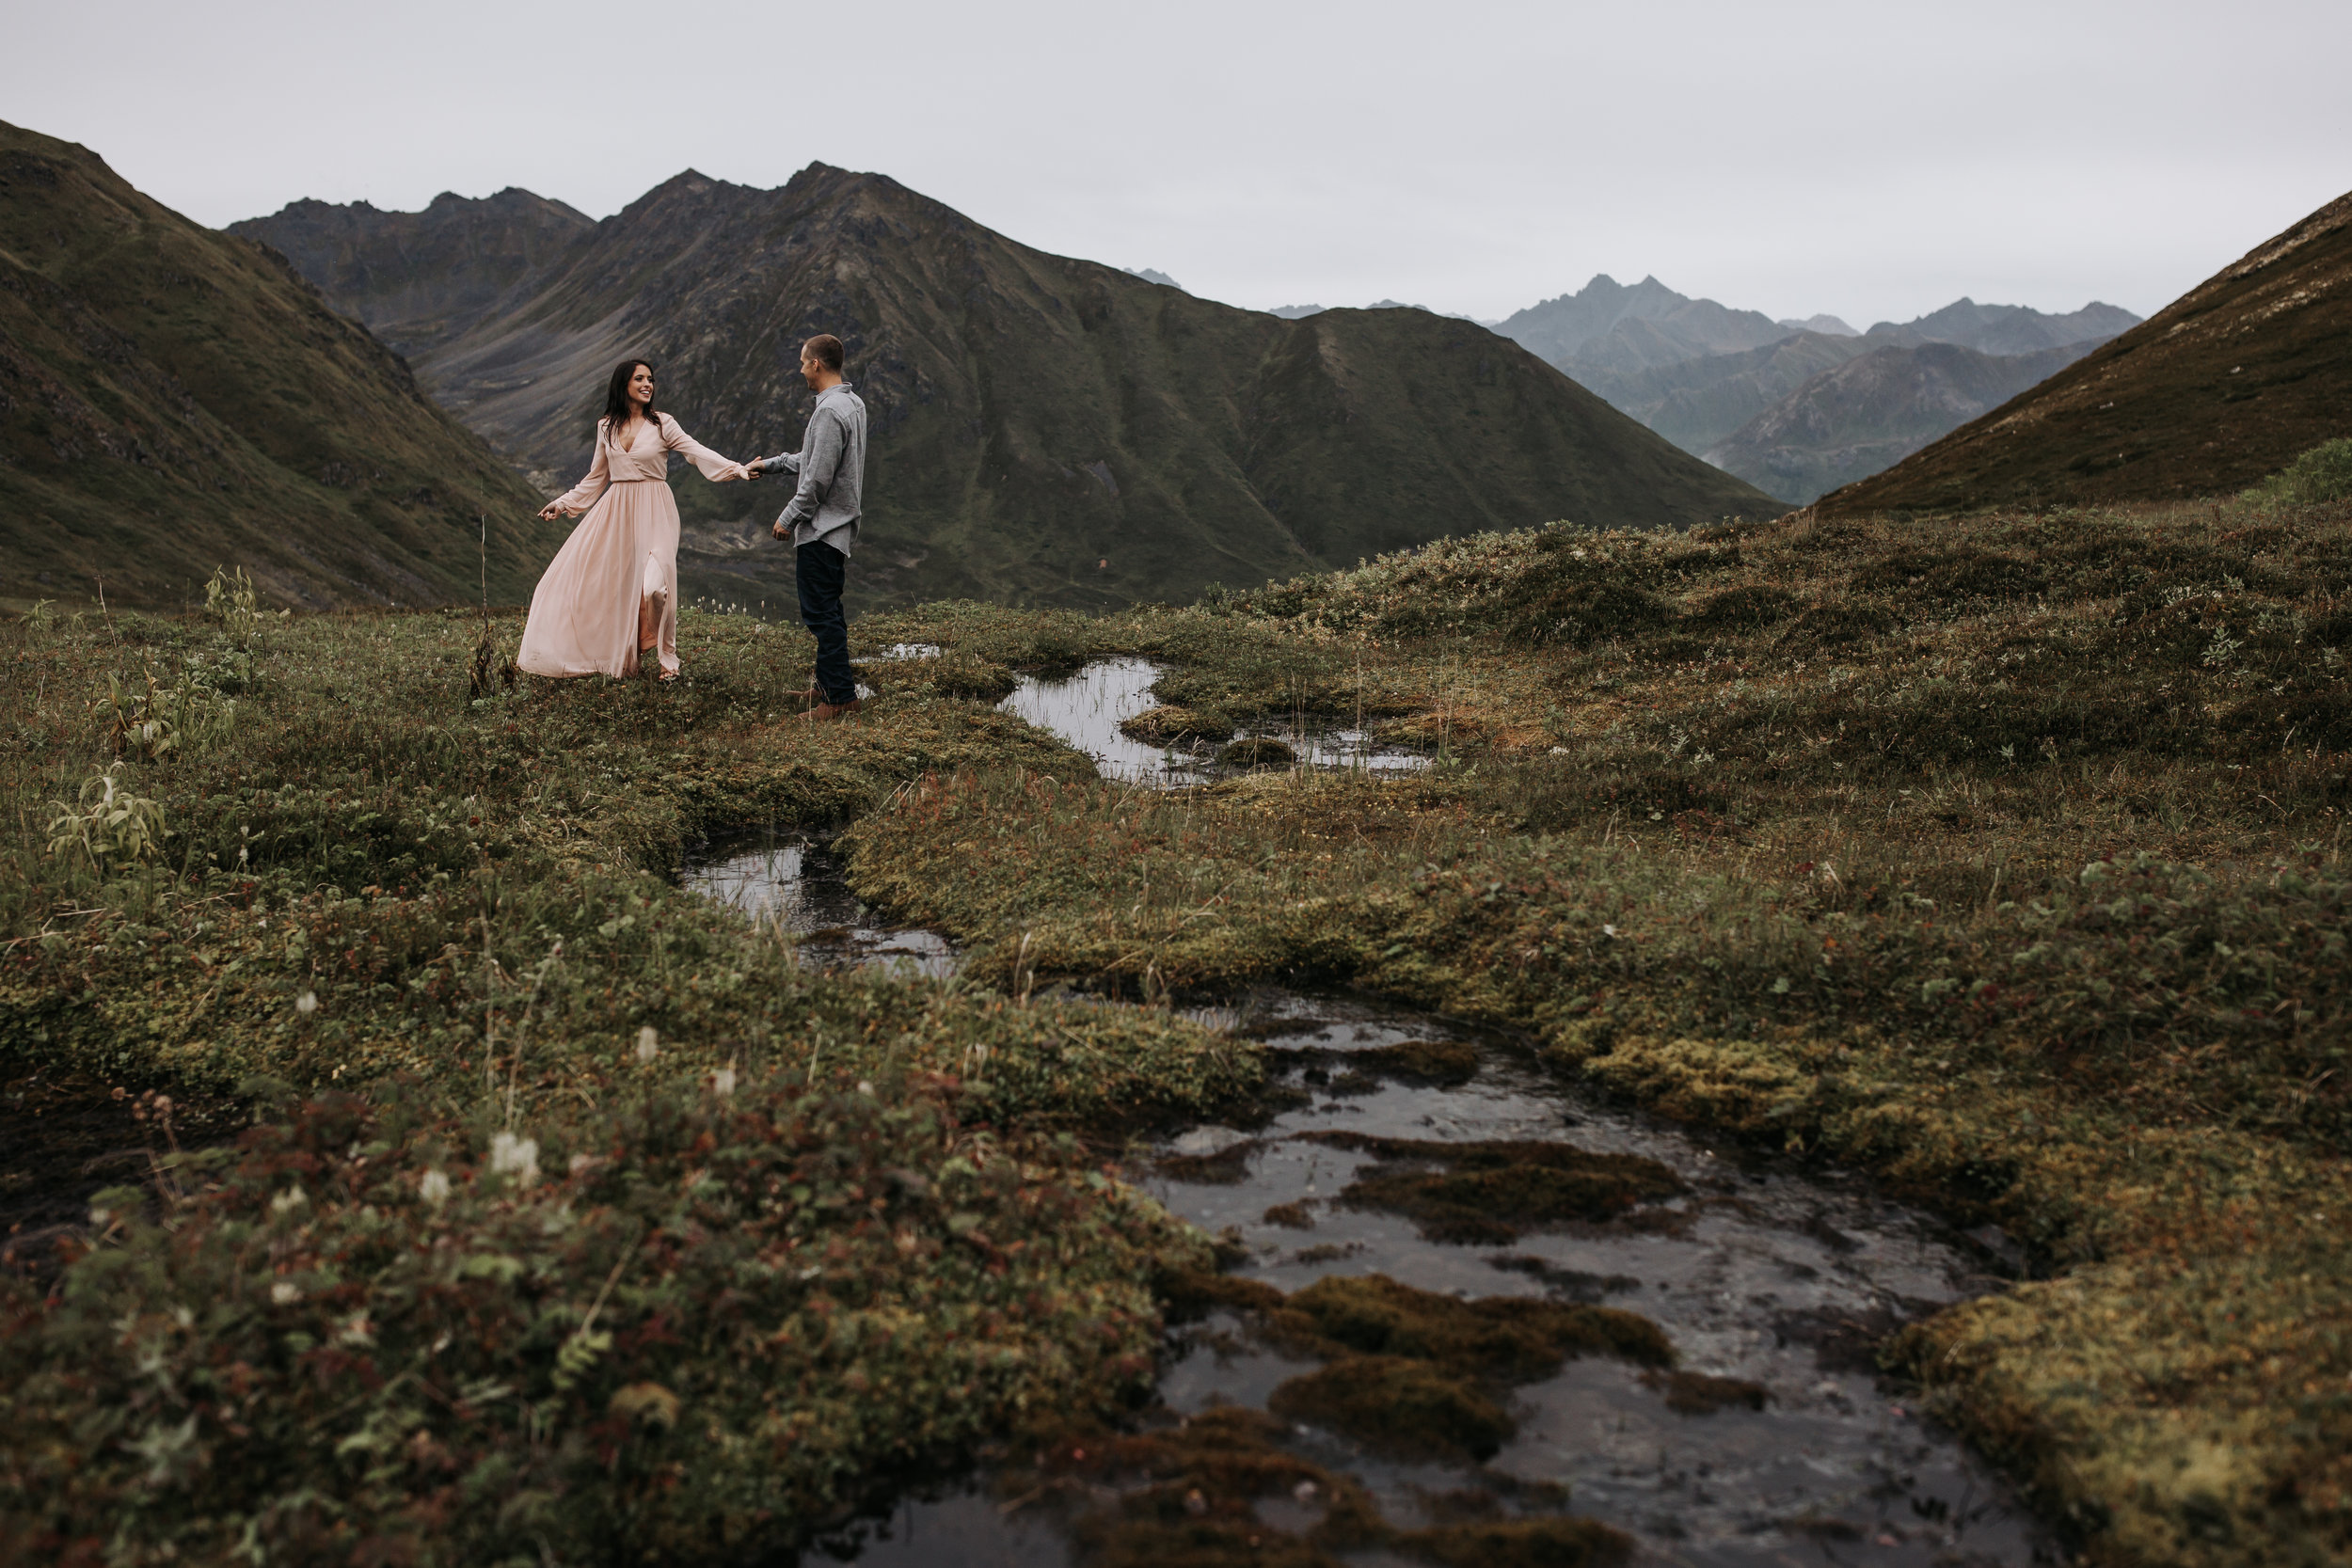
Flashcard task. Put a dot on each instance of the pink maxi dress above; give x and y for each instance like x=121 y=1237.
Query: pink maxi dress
x=583 y=613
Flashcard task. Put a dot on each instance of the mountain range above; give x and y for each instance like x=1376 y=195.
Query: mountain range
x=1851 y=420
x=173 y=399
x=2227 y=384
x=1770 y=401
x=1045 y=430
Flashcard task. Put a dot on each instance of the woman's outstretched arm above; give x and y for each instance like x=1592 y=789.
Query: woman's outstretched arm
x=581 y=497
x=713 y=466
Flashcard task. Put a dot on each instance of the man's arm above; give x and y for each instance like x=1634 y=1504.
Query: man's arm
x=789 y=462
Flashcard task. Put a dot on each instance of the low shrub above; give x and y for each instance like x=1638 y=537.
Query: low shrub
x=689 y=1326
x=2321 y=475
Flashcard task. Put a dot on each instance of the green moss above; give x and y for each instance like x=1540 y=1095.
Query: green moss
x=1509 y=1339
x=971 y=679
x=1257 y=752
x=1170 y=725
x=1397 y=1407
x=1446 y=1062
x=1486 y=1193
x=1195 y=1293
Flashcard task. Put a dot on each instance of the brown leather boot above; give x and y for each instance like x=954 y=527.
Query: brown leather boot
x=826 y=712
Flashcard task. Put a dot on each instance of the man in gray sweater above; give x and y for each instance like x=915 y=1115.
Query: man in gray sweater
x=821 y=519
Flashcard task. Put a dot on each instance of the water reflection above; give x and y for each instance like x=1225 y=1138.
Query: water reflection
x=1088 y=708
x=795 y=883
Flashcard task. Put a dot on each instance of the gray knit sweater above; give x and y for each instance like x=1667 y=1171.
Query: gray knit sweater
x=832 y=467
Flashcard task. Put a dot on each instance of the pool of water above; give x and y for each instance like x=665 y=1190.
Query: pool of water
x=1088 y=708
x=793 y=884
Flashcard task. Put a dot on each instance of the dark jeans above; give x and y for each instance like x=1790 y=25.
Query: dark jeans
x=821 y=570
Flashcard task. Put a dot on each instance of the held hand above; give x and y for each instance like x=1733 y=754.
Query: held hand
x=751 y=470
x=550 y=512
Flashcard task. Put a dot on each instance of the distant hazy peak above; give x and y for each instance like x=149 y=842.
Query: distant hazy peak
x=1607 y=329
x=1153 y=275
x=1295 y=312
x=1827 y=326
x=2007 y=328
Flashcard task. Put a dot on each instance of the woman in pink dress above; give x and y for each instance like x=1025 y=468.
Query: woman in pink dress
x=611 y=595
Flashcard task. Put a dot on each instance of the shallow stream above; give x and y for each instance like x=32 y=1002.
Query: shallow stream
x=1778 y=1281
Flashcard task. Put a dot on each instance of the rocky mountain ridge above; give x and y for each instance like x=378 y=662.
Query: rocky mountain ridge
x=1741 y=388
x=1044 y=429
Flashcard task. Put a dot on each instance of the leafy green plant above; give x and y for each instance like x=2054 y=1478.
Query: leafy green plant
x=2321 y=475
x=107 y=825
x=230 y=600
x=188 y=716
x=132 y=723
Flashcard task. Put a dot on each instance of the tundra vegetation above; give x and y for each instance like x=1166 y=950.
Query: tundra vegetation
x=1998 y=855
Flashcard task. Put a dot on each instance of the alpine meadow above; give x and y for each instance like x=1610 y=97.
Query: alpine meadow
x=1388 y=968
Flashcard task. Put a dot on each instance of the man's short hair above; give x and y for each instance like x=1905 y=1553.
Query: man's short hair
x=825 y=349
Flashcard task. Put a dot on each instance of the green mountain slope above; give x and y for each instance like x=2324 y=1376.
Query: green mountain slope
x=172 y=399
x=2226 y=384
x=1874 y=410
x=1044 y=429
x=1696 y=403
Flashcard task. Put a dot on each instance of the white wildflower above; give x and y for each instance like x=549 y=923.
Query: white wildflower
x=307 y=1003
x=434 y=1189
x=866 y=1085
x=288 y=1202
x=723 y=1081
x=515 y=1157
x=648 y=1043
x=285 y=1293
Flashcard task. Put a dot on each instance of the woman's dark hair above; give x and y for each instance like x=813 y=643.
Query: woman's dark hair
x=616 y=405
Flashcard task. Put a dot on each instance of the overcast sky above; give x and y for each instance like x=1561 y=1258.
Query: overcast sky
x=1871 y=159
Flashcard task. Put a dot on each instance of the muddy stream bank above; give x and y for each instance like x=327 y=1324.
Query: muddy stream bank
x=1399 y=1147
